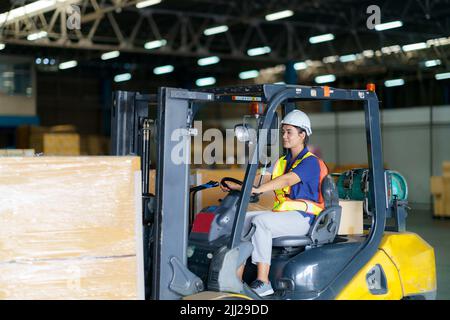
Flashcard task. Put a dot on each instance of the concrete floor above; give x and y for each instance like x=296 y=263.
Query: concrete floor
x=437 y=234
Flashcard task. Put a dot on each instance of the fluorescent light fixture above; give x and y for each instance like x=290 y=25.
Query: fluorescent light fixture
x=325 y=78
x=391 y=49
x=330 y=59
x=68 y=65
x=147 y=3
x=163 y=69
x=368 y=53
x=248 y=74
x=438 y=42
x=347 y=58
x=432 y=63
x=37 y=35
x=280 y=82
x=208 y=60
x=215 y=30
x=388 y=25
x=394 y=82
x=2 y=46
x=31 y=9
x=258 y=51
x=321 y=38
x=300 y=66
x=442 y=76
x=110 y=55
x=279 y=15
x=122 y=77
x=205 y=81
x=155 y=44
x=414 y=46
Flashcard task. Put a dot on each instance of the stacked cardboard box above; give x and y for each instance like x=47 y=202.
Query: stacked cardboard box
x=70 y=228
x=16 y=152
x=440 y=189
x=56 y=140
x=94 y=145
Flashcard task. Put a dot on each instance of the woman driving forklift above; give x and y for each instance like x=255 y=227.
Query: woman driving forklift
x=296 y=180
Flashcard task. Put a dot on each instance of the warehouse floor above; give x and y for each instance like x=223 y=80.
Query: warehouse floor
x=437 y=233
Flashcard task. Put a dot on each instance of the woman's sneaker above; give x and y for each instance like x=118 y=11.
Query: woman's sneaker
x=261 y=288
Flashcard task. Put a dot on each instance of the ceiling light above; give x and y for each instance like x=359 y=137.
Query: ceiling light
x=432 y=63
x=122 y=77
x=155 y=44
x=300 y=66
x=325 y=78
x=68 y=64
x=368 y=53
x=163 y=69
x=321 y=38
x=347 y=58
x=439 y=42
x=442 y=76
x=388 y=25
x=215 y=30
x=35 y=7
x=205 y=81
x=2 y=46
x=110 y=55
x=394 y=82
x=37 y=35
x=147 y=3
x=330 y=59
x=248 y=74
x=414 y=46
x=258 y=51
x=279 y=15
x=208 y=60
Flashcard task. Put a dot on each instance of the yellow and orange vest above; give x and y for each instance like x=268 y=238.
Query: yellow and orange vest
x=282 y=200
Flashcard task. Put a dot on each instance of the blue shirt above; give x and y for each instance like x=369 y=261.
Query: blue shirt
x=309 y=173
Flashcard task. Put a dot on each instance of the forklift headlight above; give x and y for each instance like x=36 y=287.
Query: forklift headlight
x=242 y=133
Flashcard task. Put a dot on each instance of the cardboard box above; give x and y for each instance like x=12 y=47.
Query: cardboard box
x=440 y=189
x=94 y=145
x=211 y=197
x=71 y=228
x=16 y=152
x=57 y=140
x=351 y=217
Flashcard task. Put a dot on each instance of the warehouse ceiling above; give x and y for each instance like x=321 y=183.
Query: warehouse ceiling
x=173 y=33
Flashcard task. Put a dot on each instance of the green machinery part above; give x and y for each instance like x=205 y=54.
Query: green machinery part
x=354 y=185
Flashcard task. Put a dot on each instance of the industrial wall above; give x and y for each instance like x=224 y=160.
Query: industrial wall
x=415 y=142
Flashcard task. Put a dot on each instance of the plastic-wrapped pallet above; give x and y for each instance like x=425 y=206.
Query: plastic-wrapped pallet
x=71 y=228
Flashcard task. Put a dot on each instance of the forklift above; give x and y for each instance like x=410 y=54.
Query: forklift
x=199 y=261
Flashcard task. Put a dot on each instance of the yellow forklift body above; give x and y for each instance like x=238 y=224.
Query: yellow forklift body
x=409 y=266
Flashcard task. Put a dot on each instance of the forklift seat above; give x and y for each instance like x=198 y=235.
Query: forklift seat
x=325 y=226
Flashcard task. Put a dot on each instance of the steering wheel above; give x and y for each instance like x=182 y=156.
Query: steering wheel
x=253 y=198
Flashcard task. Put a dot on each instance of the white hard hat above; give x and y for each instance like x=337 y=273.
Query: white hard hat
x=299 y=119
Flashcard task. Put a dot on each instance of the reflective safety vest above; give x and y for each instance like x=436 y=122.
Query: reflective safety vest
x=282 y=200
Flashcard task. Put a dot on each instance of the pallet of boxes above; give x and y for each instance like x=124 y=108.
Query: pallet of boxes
x=71 y=228
x=440 y=189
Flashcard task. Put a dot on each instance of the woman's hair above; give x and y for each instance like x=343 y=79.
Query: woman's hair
x=305 y=142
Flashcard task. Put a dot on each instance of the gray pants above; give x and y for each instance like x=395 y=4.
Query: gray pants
x=271 y=225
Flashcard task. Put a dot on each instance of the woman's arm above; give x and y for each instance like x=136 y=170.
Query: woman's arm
x=285 y=180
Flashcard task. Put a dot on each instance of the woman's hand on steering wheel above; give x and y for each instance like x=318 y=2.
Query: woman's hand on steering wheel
x=230 y=186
